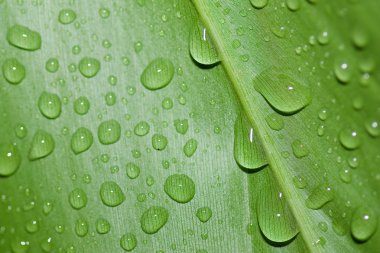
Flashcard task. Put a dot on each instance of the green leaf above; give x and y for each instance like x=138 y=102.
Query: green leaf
x=119 y=132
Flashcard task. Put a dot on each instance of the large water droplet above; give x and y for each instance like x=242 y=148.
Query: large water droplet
x=181 y=125
x=190 y=147
x=204 y=214
x=159 y=141
x=202 y=48
x=13 y=71
x=142 y=128
x=128 y=242
x=109 y=132
x=111 y=194
x=319 y=197
x=89 y=67
x=154 y=219
x=24 y=38
x=275 y=121
x=363 y=223
x=248 y=151
x=81 y=140
x=157 y=74
x=81 y=105
x=42 y=145
x=349 y=138
x=10 y=159
x=78 y=198
x=299 y=149
x=180 y=188
x=133 y=171
x=49 y=105
x=281 y=91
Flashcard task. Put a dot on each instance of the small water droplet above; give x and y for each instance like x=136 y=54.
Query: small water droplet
x=77 y=198
x=373 y=127
x=133 y=171
x=52 y=65
x=345 y=175
x=81 y=140
x=81 y=105
x=275 y=121
x=128 y=242
x=299 y=149
x=153 y=219
x=293 y=5
x=204 y=214
x=319 y=197
x=299 y=182
x=10 y=159
x=66 y=16
x=13 y=71
x=349 y=138
x=159 y=141
x=89 y=67
x=42 y=145
x=109 y=132
x=181 y=125
x=111 y=194
x=259 y=4
x=102 y=226
x=190 y=147
x=180 y=188
x=49 y=105
x=24 y=38
x=81 y=227
x=157 y=74
x=142 y=128
x=343 y=70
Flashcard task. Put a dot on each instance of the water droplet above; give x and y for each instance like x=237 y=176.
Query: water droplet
x=343 y=70
x=47 y=207
x=373 y=127
x=52 y=65
x=281 y=91
x=24 y=38
x=81 y=140
x=322 y=226
x=32 y=226
x=202 y=49
x=81 y=227
x=345 y=175
x=259 y=4
x=138 y=46
x=77 y=198
x=19 y=246
x=109 y=132
x=248 y=151
x=167 y=103
x=190 y=147
x=275 y=121
x=10 y=159
x=102 y=226
x=42 y=145
x=66 y=16
x=323 y=38
x=181 y=125
x=49 y=105
x=157 y=74
x=133 y=171
x=319 y=197
x=104 y=12
x=13 y=71
x=89 y=67
x=363 y=223
x=204 y=213
x=360 y=37
x=110 y=98
x=299 y=149
x=180 y=188
x=47 y=244
x=299 y=182
x=111 y=194
x=349 y=138
x=81 y=105
x=128 y=242
x=293 y=5
x=159 y=141
x=153 y=219
x=21 y=131
x=142 y=128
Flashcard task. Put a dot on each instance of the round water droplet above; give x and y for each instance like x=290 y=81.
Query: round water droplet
x=363 y=223
x=32 y=226
x=47 y=244
x=181 y=125
x=13 y=71
x=81 y=227
x=111 y=194
x=133 y=171
x=10 y=160
x=345 y=175
x=142 y=128
x=360 y=37
x=293 y=5
x=104 y=13
x=180 y=188
x=42 y=145
x=110 y=98
x=109 y=132
x=154 y=219
x=89 y=67
x=102 y=226
x=66 y=16
x=52 y=65
x=373 y=127
x=128 y=242
x=323 y=38
x=21 y=131
x=349 y=138
x=322 y=226
x=167 y=103
x=299 y=149
x=49 y=105
x=259 y=4
x=78 y=198
x=281 y=91
x=24 y=38
x=159 y=141
x=157 y=74
x=319 y=197
x=275 y=121
x=343 y=70
x=204 y=213
x=81 y=140
x=81 y=105
x=190 y=147
x=19 y=245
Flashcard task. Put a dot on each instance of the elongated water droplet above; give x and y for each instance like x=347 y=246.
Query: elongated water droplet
x=202 y=48
x=281 y=91
x=21 y=131
x=190 y=147
x=204 y=214
x=42 y=145
x=81 y=227
x=363 y=223
x=49 y=105
x=181 y=125
x=66 y=16
x=154 y=219
x=10 y=160
x=89 y=67
x=248 y=151
x=349 y=138
x=24 y=38
x=133 y=171
x=142 y=128
x=81 y=140
x=78 y=198
x=275 y=218
x=275 y=121
x=159 y=141
x=128 y=242
x=299 y=149
x=109 y=132
x=102 y=226
x=111 y=194
x=259 y=4
x=180 y=188
x=319 y=197
x=81 y=105
x=13 y=71
x=157 y=74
